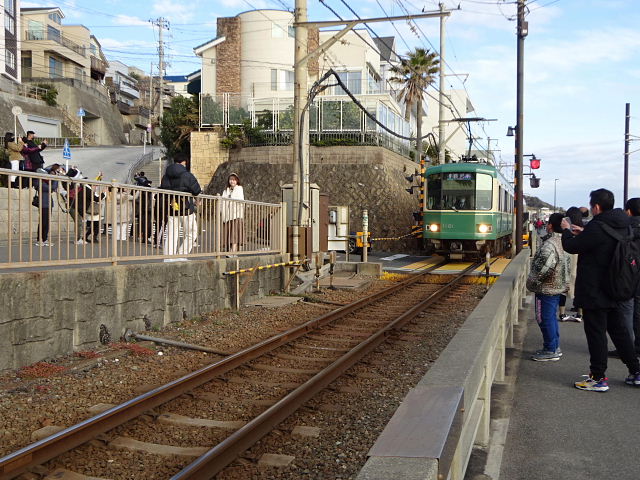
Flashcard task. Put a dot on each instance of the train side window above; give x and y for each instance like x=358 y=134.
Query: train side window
x=484 y=191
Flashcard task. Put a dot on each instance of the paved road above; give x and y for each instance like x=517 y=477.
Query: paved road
x=114 y=162
x=559 y=432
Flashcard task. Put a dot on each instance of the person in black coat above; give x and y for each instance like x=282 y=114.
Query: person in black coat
x=601 y=313
x=181 y=208
x=632 y=207
x=32 y=150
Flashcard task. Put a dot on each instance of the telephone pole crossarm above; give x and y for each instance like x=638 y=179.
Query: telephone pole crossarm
x=336 y=23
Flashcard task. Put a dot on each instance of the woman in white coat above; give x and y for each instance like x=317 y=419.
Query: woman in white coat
x=232 y=214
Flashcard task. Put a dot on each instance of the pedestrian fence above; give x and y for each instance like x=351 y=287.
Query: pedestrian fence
x=48 y=220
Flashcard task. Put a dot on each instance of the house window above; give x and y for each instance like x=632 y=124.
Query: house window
x=282 y=80
x=79 y=73
x=55 y=68
x=277 y=30
x=10 y=59
x=10 y=7
x=94 y=49
x=353 y=81
x=53 y=34
x=35 y=30
x=292 y=31
x=55 y=17
x=10 y=24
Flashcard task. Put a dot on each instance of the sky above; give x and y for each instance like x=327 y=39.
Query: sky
x=582 y=64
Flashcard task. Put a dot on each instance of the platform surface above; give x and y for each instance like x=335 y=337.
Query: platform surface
x=559 y=432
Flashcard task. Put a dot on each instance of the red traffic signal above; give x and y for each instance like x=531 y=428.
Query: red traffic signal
x=534 y=163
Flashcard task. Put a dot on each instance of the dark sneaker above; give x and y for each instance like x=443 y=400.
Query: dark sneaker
x=565 y=318
x=593 y=385
x=546 y=356
x=577 y=318
x=613 y=353
x=633 y=379
x=558 y=351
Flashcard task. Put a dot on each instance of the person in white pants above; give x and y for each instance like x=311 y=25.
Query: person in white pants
x=181 y=208
x=15 y=154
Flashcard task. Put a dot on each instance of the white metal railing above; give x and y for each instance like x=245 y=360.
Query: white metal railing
x=84 y=221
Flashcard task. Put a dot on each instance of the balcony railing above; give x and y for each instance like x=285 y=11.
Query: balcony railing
x=98 y=65
x=40 y=35
x=124 y=107
x=138 y=110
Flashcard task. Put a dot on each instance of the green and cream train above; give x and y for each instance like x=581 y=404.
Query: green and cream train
x=469 y=210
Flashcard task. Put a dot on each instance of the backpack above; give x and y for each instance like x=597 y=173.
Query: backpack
x=622 y=277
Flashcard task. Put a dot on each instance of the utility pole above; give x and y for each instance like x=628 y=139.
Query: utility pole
x=627 y=116
x=441 y=96
x=300 y=129
x=519 y=191
x=162 y=24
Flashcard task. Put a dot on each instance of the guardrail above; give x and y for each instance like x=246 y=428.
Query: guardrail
x=432 y=433
x=83 y=221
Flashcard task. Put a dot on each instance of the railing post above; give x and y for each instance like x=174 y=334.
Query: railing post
x=283 y=228
x=218 y=223
x=114 y=238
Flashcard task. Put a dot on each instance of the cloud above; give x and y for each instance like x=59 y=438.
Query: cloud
x=244 y=5
x=176 y=11
x=129 y=20
x=134 y=45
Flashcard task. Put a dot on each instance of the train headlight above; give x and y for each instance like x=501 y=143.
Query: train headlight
x=434 y=227
x=484 y=228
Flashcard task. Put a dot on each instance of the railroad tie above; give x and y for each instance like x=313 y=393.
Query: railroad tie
x=63 y=474
x=275 y=460
x=126 y=443
x=182 y=421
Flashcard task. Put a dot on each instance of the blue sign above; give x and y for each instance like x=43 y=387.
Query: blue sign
x=81 y=112
x=66 y=150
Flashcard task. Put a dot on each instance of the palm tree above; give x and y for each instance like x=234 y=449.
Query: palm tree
x=415 y=73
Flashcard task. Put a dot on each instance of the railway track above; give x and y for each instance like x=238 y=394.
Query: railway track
x=303 y=360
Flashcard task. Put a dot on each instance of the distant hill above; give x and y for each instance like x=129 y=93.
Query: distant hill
x=535 y=202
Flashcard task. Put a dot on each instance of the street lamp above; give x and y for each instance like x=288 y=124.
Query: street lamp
x=555 y=182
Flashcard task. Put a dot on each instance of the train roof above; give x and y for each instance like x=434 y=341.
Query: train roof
x=471 y=167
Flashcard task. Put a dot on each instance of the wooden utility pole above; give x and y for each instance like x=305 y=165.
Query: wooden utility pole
x=627 y=116
x=519 y=191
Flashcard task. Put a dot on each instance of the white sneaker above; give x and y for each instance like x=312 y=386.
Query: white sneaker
x=80 y=242
x=43 y=244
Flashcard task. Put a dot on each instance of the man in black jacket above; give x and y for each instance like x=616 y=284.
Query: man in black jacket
x=601 y=314
x=181 y=208
x=33 y=150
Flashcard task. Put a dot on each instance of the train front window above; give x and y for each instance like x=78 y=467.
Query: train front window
x=459 y=191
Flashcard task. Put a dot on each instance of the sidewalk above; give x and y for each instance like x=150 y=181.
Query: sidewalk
x=559 y=432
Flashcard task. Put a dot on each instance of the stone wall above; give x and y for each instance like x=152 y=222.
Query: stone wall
x=56 y=312
x=360 y=177
x=228 y=56
x=206 y=155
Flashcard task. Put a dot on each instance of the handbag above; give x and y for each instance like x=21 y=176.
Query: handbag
x=36 y=201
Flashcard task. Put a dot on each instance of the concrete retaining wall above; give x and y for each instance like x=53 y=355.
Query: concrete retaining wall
x=457 y=389
x=56 y=312
x=363 y=177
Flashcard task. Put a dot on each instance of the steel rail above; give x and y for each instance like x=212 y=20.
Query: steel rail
x=44 y=450
x=212 y=462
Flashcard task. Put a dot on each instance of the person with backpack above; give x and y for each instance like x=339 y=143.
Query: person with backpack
x=548 y=279
x=607 y=272
x=181 y=209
